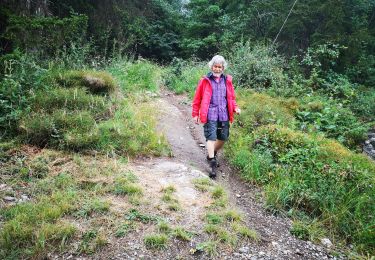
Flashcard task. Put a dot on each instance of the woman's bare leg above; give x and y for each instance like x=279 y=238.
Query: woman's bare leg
x=211 y=148
x=218 y=145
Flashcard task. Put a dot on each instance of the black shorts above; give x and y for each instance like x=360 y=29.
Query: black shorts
x=215 y=130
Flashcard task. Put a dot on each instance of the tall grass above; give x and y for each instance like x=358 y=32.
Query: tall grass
x=82 y=110
x=183 y=76
x=136 y=76
x=35 y=226
x=306 y=172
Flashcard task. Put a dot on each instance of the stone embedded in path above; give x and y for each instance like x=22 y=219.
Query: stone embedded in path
x=326 y=242
x=244 y=250
x=9 y=198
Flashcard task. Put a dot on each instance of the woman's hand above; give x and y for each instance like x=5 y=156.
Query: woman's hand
x=237 y=110
x=196 y=120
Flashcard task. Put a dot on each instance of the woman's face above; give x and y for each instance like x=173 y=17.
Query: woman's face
x=217 y=69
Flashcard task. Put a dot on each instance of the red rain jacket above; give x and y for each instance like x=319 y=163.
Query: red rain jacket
x=202 y=98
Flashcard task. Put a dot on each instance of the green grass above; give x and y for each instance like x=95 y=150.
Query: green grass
x=174 y=206
x=84 y=110
x=31 y=228
x=45 y=224
x=232 y=215
x=218 y=192
x=202 y=184
x=92 y=240
x=183 y=76
x=168 y=189
x=163 y=227
x=181 y=234
x=155 y=241
x=80 y=111
x=313 y=231
x=210 y=247
x=211 y=229
x=127 y=189
x=123 y=229
x=135 y=215
x=94 y=81
x=167 y=197
x=91 y=206
x=245 y=232
x=124 y=185
x=137 y=76
x=226 y=237
x=308 y=173
x=71 y=99
x=214 y=218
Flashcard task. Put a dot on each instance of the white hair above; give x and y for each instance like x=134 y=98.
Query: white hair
x=217 y=59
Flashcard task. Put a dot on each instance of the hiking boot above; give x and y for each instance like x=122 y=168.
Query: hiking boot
x=212 y=162
x=215 y=156
x=217 y=162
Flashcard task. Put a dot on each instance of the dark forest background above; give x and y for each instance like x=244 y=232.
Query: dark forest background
x=162 y=30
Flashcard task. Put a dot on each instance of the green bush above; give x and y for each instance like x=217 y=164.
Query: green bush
x=307 y=172
x=319 y=114
x=256 y=66
x=362 y=104
x=19 y=77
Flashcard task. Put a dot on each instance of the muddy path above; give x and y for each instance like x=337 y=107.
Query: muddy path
x=186 y=139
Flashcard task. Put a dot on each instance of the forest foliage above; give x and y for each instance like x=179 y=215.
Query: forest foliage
x=70 y=72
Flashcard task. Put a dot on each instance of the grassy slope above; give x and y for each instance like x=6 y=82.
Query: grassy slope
x=326 y=189
x=84 y=112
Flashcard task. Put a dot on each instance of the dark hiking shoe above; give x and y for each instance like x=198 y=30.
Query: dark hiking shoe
x=212 y=162
x=215 y=156
x=217 y=161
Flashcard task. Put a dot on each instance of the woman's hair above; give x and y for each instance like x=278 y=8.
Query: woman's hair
x=217 y=59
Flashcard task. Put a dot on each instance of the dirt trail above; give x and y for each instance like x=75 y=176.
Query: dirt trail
x=186 y=138
x=188 y=163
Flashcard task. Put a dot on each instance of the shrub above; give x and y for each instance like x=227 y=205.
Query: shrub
x=363 y=104
x=21 y=76
x=319 y=114
x=256 y=66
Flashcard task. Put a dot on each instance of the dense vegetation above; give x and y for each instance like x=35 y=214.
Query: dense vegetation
x=69 y=80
